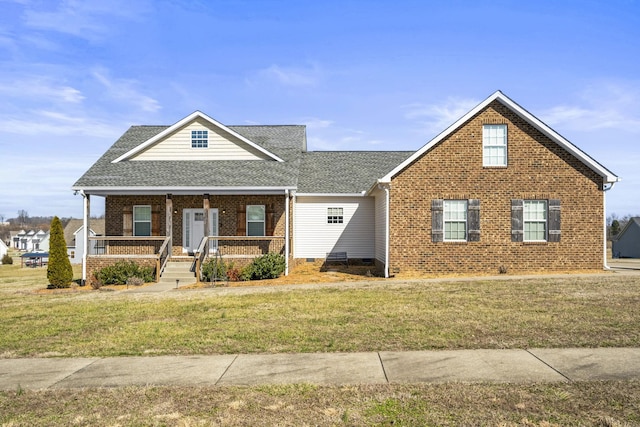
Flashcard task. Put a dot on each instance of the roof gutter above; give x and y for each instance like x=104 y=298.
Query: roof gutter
x=104 y=191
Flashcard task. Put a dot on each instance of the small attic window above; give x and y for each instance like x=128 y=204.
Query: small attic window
x=199 y=139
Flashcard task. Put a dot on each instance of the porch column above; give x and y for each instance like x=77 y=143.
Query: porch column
x=86 y=211
x=286 y=232
x=169 y=221
x=207 y=226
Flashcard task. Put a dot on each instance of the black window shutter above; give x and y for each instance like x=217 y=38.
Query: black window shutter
x=554 y=220
x=517 y=220
x=437 y=220
x=473 y=220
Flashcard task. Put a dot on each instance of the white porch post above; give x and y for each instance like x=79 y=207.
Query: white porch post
x=286 y=232
x=85 y=237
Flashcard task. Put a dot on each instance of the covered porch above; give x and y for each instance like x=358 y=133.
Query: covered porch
x=153 y=229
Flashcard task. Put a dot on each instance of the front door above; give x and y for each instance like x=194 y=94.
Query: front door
x=193 y=228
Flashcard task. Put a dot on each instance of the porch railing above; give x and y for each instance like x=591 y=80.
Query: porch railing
x=236 y=247
x=155 y=247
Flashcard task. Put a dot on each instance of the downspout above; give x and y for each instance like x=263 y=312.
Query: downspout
x=604 y=206
x=386 y=230
x=286 y=232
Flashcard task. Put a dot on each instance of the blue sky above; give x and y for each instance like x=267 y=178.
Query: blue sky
x=362 y=75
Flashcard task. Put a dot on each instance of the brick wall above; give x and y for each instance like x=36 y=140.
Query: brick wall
x=537 y=169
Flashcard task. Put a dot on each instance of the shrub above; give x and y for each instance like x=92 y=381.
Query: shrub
x=214 y=268
x=6 y=259
x=267 y=266
x=59 y=270
x=120 y=272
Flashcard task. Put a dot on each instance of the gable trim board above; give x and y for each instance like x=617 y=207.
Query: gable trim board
x=607 y=176
x=190 y=118
x=368 y=183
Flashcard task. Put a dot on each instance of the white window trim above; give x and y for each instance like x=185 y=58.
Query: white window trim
x=335 y=215
x=201 y=138
x=486 y=146
x=134 y=221
x=445 y=221
x=526 y=221
x=263 y=221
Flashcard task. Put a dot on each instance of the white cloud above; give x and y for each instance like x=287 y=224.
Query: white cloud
x=605 y=105
x=39 y=87
x=125 y=90
x=434 y=118
x=316 y=123
x=292 y=76
x=87 y=19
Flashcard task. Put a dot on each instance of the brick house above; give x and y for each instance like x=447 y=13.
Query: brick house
x=496 y=191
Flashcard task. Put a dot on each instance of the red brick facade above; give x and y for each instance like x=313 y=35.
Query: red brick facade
x=537 y=168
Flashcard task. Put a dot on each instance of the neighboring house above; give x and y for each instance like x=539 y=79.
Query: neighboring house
x=74 y=236
x=3 y=249
x=498 y=190
x=30 y=240
x=627 y=242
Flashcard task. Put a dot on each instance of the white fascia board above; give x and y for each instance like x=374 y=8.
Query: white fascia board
x=608 y=176
x=362 y=194
x=129 y=191
x=185 y=121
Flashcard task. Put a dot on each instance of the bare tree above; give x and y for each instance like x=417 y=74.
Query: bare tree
x=23 y=216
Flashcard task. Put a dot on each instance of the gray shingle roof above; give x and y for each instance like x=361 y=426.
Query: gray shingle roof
x=345 y=171
x=310 y=172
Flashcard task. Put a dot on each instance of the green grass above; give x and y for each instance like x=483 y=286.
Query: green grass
x=592 y=311
x=595 y=311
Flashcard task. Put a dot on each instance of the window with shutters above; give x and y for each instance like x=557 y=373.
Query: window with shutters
x=256 y=220
x=142 y=220
x=535 y=220
x=455 y=220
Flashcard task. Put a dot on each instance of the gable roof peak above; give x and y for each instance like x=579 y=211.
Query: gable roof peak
x=608 y=177
x=191 y=117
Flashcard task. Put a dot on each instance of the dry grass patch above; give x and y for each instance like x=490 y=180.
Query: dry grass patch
x=543 y=405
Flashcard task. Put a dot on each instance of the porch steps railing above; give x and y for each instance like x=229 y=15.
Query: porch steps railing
x=178 y=270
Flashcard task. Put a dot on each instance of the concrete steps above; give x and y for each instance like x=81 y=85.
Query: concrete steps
x=178 y=270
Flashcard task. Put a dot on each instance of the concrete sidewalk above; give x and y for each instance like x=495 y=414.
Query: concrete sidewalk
x=504 y=366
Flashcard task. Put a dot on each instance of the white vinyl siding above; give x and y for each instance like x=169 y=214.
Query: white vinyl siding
x=220 y=146
x=313 y=237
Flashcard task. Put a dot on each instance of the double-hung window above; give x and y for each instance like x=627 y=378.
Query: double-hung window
x=535 y=220
x=335 y=215
x=142 y=220
x=494 y=145
x=255 y=220
x=199 y=139
x=455 y=220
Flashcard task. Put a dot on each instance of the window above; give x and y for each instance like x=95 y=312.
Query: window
x=335 y=215
x=255 y=220
x=494 y=145
x=455 y=220
x=142 y=220
x=199 y=139
x=535 y=220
